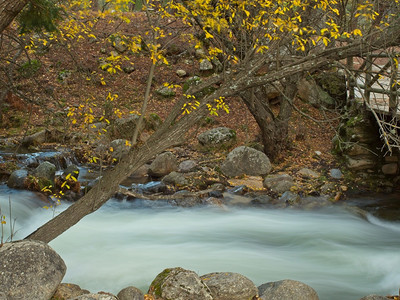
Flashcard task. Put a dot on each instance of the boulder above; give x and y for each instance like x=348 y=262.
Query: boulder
x=67 y=291
x=217 y=137
x=30 y=270
x=179 y=284
x=205 y=65
x=36 y=139
x=130 y=293
x=175 y=178
x=245 y=160
x=311 y=92
x=181 y=73
x=125 y=127
x=150 y=187
x=279 y=183
x=45 y=170
x=17 y=179
x=287 y=290
x=163 y=164
x=119 y=148
x=230 y=286
x=187 y=166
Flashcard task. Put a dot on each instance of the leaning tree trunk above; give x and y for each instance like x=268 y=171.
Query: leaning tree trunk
x=273 y=128
x=9 y=9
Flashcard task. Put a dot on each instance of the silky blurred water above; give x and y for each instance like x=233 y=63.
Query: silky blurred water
x=341 y=255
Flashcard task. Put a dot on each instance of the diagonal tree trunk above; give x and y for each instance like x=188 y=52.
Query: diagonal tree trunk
x=9 y=9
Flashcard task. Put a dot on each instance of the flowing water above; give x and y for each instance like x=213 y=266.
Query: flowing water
x=341 y=255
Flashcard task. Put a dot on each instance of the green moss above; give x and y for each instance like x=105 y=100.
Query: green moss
x=29 y=68
x=155 y=286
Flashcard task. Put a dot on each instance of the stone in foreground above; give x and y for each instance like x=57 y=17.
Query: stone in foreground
x=287 y=290
x=30 y=270
x=230 y=286
x=179 y=284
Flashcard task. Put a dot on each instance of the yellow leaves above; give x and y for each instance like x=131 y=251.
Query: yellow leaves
x=357 y=32
x=219 y=104
x=189 y=107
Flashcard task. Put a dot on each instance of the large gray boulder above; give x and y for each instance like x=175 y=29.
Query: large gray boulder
x=217 y=136
x=179 y=284
x=17 y=179
x=287 y=290
x=45 y=170
x=230 y=286
x=163 y=164
x=245 y=160
x=30 y=270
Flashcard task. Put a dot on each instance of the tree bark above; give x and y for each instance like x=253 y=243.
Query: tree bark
x=9 y=9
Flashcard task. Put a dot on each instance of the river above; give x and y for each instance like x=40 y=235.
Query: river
x=341 y=255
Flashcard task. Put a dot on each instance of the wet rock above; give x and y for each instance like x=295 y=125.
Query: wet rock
x=245 y=160
x=287 y=290
x=163 y=164
x=179 y=284
x=151 y=187
x=30 y=270
x=289 y=198
x=238 y=190
x=312 y=202
x=71 y=169
x=261 y=200
x=67 y=291
x=45 y=170
x=230 y=286
x=215 y=194
x=175 y=178
x=130 y=293
x=307 y=173
x=187 y=166
x=17 y=179
x=336 y=173
x=279 y=183
x=217 y=137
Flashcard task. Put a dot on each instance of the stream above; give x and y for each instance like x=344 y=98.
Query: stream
x=341 y=255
